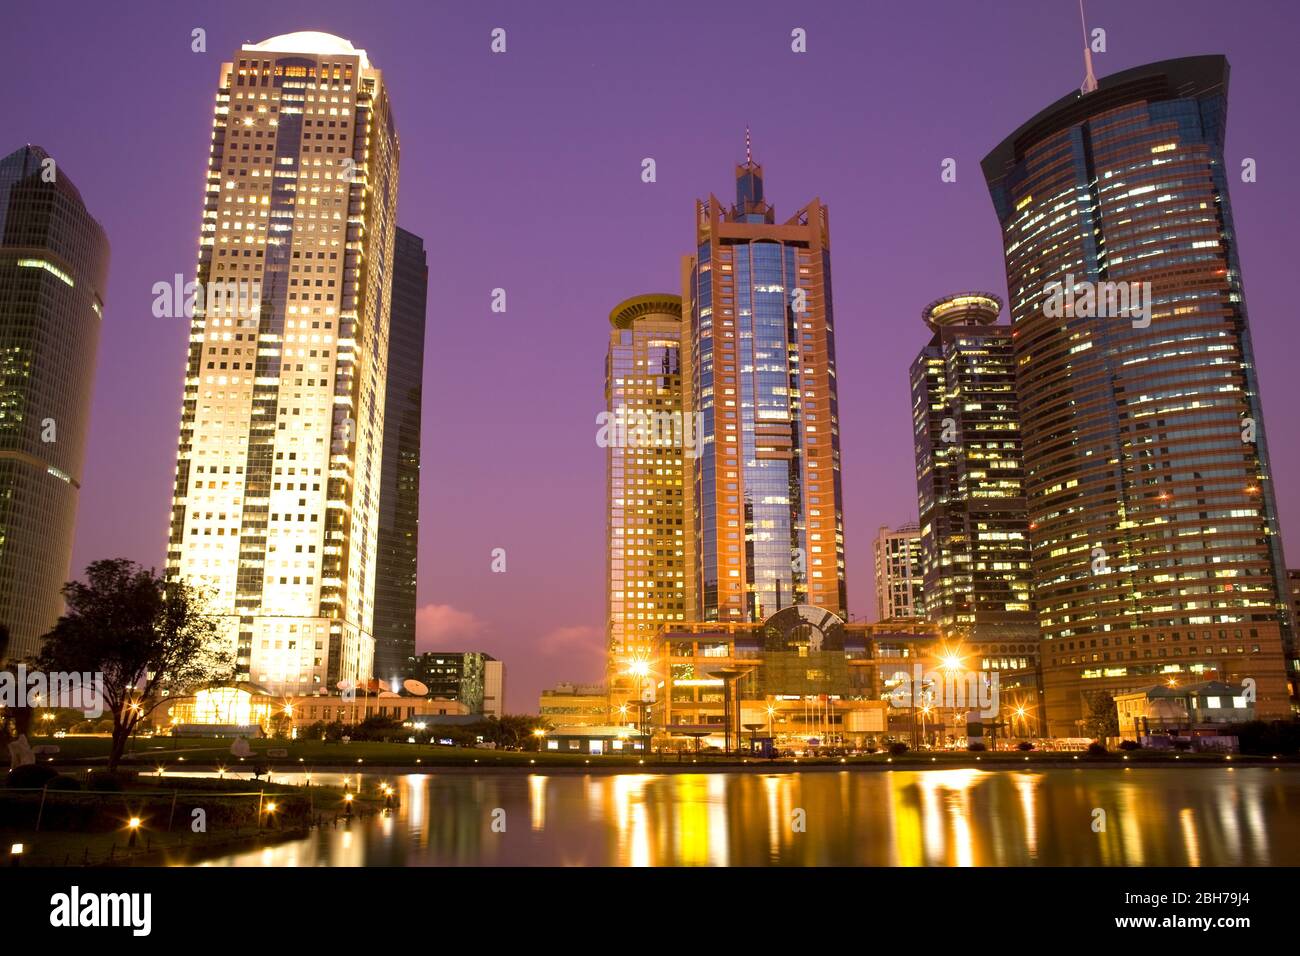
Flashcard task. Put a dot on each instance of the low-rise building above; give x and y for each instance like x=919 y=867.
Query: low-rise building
x=575 y=705
x=240 y=708
x=805 y=678
x=1182 y=711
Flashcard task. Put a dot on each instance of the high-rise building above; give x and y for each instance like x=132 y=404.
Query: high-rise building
x=970 y=474
x=898 y=573
x=399 y=495
x=53 y=269
x=460 y=675
x=276 y=507
x=1156 y=553
x=765 y=490
x=646 y=438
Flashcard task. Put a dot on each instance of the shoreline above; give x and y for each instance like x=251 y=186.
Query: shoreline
x=778 y=767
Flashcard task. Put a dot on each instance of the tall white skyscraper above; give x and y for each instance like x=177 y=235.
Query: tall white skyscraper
x=276 y=506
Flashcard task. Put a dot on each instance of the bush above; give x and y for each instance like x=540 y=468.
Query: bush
x=101 y=781
x=1129 y=745
x=31 y=776
x=1024 y=745
x=898 y=749
x=976 y=747
x=1096 y=750
x=1259 y=737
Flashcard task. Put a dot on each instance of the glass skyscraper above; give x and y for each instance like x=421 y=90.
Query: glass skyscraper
x=765 y=488
x=276 y=505
x=970 y=474
x=1154 y=531
x=399 y=496
x=53 y=269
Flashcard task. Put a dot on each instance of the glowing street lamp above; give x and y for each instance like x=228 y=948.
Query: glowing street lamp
x=539 y=733
x=133 y=826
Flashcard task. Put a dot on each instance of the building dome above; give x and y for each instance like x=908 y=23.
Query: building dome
x=310 y=42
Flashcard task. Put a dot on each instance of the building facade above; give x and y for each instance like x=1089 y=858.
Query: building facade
x=807 y=679
x=1151 y=512
x=276 y=503
x=646 y=442
x=399 y=495
x=575 y=705
x=899 y=573
x=970 y=473
x=462 y=676
x=494 y=687
x=765 y=493
x=53 y=271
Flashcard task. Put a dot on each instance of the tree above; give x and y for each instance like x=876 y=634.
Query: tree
x=512 y=730
x=1103 y=720
x=143 y=634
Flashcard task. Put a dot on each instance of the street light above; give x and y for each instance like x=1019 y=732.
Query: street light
x=133 y=825
x=539 y=733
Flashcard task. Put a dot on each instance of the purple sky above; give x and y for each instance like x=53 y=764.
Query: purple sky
x=522 y=171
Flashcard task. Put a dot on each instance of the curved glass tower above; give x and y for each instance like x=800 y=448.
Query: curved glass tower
x=53 y=269
x=1156 y=553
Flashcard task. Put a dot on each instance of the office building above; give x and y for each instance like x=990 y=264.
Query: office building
x=53 y=271
x=1152 y=520
x=764 y=494
x=646 y=441
x=278 y=477
x=897 y=555
x=399 y=495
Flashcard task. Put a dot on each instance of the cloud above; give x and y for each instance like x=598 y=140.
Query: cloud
x=442 y=627
x=576 y=641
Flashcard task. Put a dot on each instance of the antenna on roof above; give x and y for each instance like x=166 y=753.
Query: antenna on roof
x=749 y=152
x=1089 y=79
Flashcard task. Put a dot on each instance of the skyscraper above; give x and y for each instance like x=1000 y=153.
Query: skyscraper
x=897 y=554
x=765 y=488
x=1156 y=552
x=969 y=473
x=399 y=496
x=646 y=462
x=53 y=269
x=276 y=506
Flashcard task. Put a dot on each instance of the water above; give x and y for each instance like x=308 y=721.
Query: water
x=1153 y=817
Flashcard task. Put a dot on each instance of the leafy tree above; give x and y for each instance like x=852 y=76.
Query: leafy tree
x=144 y=634
x=513 y=730
x=1103 y=718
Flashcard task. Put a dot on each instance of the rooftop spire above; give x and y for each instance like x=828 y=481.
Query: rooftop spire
x=1089 y=80
x=749 y=152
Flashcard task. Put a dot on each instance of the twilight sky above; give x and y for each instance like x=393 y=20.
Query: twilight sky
x=522 y=171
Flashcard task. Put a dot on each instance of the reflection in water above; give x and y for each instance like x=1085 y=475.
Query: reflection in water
x=1153 y=817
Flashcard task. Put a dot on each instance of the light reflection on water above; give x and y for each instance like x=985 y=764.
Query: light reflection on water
x=960 y=817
